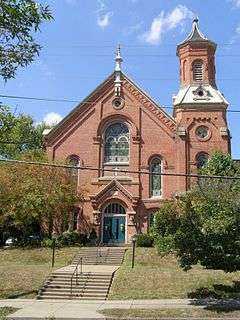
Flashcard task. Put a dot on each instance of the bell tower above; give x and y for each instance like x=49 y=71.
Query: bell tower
x=199 y=107
x=197 y=58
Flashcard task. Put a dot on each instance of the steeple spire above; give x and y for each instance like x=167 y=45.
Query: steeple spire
x=196 y=35
x=118 y=70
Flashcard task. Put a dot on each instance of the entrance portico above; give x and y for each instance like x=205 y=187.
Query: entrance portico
x=114 y=214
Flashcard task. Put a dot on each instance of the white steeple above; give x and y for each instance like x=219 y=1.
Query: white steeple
x=118 y=81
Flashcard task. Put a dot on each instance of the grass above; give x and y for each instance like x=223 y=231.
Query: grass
x=22 y=271
x=156 y=277
x=169 y=313
x=5 y=311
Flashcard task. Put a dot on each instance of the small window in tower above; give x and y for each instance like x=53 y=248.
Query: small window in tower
x=198 y=71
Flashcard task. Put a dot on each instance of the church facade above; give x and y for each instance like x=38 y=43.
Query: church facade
x=129 y=147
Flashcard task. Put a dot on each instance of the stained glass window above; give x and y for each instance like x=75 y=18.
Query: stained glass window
x=155 y=177
x=117 y=143
x=202 y=159
x=74 y=162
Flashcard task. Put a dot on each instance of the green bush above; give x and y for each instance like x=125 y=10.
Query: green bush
x=71 y=238
x=166 y=223
x=164 y=245
x=66 y=239
x=144 y=240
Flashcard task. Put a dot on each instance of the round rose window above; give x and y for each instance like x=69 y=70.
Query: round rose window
x=202 y=132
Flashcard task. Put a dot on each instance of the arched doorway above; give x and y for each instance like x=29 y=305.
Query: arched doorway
x=114 y=224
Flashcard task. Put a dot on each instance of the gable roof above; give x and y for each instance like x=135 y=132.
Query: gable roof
x=91 y=98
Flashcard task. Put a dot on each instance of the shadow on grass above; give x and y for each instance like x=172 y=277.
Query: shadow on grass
x=218 y=291
x=220 y=298
x=22 y=294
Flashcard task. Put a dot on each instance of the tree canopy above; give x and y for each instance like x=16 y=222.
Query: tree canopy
x=32 y=195
x=18 y=133
x=207 y=219
x=19 y=20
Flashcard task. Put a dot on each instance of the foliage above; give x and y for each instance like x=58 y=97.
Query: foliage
x=144 y=240
x=33 y=195
x=208 y=228
x=5 y=311
x=70 y=238
x=166 y=223
x=164 y=244
x=18 y=134
x=19 y=19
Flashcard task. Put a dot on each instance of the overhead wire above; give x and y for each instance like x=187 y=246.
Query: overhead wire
x=81 y=102
x=90 y=168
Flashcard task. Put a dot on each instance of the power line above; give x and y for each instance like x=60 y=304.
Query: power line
x=88 y=168
x=80 y=103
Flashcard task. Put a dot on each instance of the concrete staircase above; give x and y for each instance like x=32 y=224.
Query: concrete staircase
x=93 y=283
x=101 y=255
x=86 y=286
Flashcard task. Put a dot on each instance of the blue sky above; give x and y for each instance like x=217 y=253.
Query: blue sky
x=79 y=47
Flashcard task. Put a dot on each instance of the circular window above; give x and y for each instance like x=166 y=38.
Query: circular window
x=202 y=132
x=118 y=103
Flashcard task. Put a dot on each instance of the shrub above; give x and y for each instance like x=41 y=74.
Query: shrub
x=144 y=240
x=66 y=239
x=164 y=245
x=71 y=238
x=48 y=243
x=166 y=223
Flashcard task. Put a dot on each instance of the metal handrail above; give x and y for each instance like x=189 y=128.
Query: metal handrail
x=76 y=272
x=99 y=252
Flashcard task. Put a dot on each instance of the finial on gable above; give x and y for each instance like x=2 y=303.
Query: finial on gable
x=118 y=59
x=118 y=69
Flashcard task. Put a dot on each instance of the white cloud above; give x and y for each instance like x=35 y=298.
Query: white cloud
x=236 y=35
x=52 y=118
x=165 y=22
x=103 y=16
x=236 y=3
x=103 y=20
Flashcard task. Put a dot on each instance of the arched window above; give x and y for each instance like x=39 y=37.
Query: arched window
x=197 y=70
x=114 y=208
x=201 y=159
x=155 y=178
x=184 y=70
x=116 y=143
x=74 y=162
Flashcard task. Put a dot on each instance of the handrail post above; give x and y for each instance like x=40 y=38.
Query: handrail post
x=81 y=265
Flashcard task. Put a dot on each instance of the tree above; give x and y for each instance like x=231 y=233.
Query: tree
x=33 y=195
x=209 y=230
x=208 y=217
x=18 y=134
x=19 y=19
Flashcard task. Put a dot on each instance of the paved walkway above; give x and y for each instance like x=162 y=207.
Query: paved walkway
x=85 y=309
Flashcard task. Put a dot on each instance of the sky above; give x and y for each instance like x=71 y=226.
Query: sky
x=80 y=44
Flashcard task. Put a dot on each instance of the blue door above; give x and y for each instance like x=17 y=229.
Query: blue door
x=114 y=229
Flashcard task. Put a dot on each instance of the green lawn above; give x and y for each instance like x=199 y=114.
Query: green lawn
x=169 y=313
x=157 y=278
x=22 y=271
x=5 y=311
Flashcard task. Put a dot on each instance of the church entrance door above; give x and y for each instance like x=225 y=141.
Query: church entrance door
x=114 y=224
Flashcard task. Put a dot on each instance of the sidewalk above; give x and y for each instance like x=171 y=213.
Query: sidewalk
x=88 y=309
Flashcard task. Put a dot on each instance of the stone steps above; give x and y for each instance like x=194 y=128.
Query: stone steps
x=89 y=285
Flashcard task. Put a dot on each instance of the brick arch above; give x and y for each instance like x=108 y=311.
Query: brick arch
x=157 y=155
x=114 y=200
x=112 y=118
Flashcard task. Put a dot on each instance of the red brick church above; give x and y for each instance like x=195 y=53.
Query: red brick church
x=119 y=127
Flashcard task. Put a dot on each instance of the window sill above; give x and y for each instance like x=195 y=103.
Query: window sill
x=109 y=178
x=116 y=164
